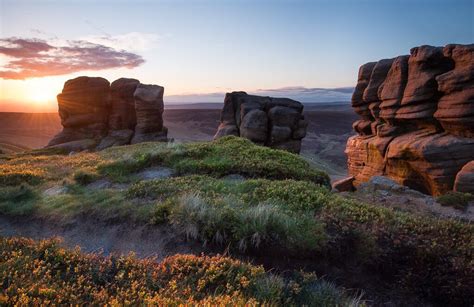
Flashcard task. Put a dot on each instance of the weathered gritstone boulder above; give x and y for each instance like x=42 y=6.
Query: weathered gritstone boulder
x=421 y=93
x=273 y=122
x=96 y=115
x=455 y=108
x=371 y=97
x=360 y=106
x=83 y=107
x=391 y=93
x=423 y=116
x=149 y=110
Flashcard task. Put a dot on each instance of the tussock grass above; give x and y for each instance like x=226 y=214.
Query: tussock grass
x=229 y=221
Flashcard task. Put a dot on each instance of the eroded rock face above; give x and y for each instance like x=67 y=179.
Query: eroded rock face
x=465 y=179
x=455 y=111
x=83 y=107
x=420 y=97
x=96 y=114
x=419 y=130
x=149 y=110
x=273 y=122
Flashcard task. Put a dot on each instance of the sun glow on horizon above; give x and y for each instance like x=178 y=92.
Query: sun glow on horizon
x=32 y=94
x=42 y=91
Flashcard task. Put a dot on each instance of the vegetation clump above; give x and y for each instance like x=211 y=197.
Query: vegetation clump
x=456 y=200
x=85 y=176
x=227 y=155
x=42 y=273
x=11 y=175
x=281 y=205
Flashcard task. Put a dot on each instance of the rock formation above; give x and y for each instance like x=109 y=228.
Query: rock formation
x=96 y=115
x=417 y=123
x=274 y=122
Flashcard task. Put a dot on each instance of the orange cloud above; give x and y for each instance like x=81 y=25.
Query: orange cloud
x=29 y=58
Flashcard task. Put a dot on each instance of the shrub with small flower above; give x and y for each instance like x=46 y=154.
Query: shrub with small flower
x=42 y=273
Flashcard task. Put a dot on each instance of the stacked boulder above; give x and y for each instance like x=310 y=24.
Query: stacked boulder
x=274 y=122
x=96 y=114
x=417 y=123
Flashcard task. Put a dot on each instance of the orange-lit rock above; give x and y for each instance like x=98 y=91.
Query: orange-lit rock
x=456 y=106
x=421 y=120
x=465 y=179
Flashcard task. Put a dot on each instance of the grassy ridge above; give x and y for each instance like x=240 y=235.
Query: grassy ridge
x=283 y=203
x=41 y=273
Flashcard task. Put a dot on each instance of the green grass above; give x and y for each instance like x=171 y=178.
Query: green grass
x=42 y=273
x=228 y=155
x=229 y=221
x=456 y=200
x=84 y=176
x=289 y=194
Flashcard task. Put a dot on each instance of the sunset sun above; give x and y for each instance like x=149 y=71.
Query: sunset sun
x=42 y=91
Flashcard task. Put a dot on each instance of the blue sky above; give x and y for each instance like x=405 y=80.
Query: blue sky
x=201 y=47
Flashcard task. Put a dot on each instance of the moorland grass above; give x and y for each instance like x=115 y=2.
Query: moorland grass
x=287 y=204
x=228 y=155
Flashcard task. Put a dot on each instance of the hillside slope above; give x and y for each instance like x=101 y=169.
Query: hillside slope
x=247 y=200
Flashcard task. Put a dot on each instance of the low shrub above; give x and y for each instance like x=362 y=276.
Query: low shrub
x=16 y=174
x=431 y=256
x=42 y=273
x=19 y=193
x=85 y=176
x=456 y=200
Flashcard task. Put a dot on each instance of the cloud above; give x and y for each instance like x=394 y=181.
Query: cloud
x=312 y=94
x=194 y=98
x=133 y=41
x=29 y=58
x=299 y=93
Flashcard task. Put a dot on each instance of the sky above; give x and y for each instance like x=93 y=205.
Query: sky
x=198 y=50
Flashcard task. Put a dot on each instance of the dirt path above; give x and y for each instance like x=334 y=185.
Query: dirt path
x=144 y=241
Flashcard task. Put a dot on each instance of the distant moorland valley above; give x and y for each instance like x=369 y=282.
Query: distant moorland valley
x=330 y=125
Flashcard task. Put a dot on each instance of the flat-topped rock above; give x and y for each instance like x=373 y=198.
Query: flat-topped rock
x=273 y=122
